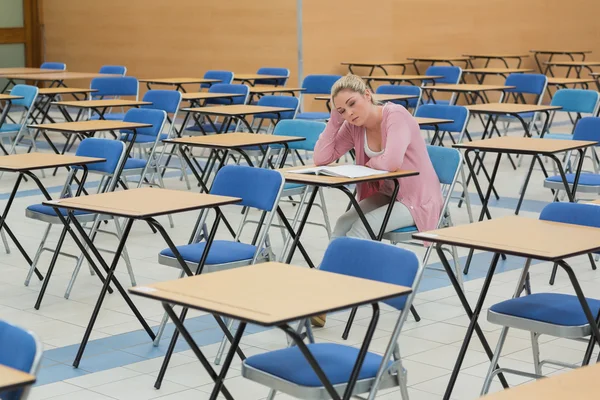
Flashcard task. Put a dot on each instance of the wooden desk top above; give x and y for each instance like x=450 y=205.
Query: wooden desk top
x=381 y=97
x=64 y=90
x=594 y=73
x=430 y=59
x=253 y=77
x=34 y=161
x=573 y=63
x=561 y=51
x=11 y=378
x=509 y=108
x=89 y=126
x=178 y=81
x=466 y=87
x=520 y=236
x=233 y=110
x=274 y=89
x=9 y=97
x=279 y=293
x=234 y=140
x=510 y=144
x=143 y=202
x=207 y=95
x=21 y=71
x=334 y=181
x=400 y=78
x=496 y=55
x=579 y=383
x=376 y=64
x=497 y=71
x=432 y=121
x=568 y=81
x=102 y=103
x=59 y=76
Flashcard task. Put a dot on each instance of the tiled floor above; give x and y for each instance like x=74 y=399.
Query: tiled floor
x=121 y=363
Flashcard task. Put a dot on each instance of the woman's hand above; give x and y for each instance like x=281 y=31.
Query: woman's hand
x=336 y=118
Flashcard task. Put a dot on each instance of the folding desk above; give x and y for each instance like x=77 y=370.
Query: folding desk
x=196 y=97
x=580 y=383
x=377 y=97
x=24 y=165
x=446 y=60
x=578 y=66
x=497 y=56
x=526 y=146
x=277 y=295
x=517 y=236
x=563 y=82
x=552 y=53
x=49 y=95
x=177 y=82
x=143 y=204
x=21 y=71
x=476 y=90
x=435 y=122
x=55 y=78
x=251 y=78
x=99 y=107
x=11 y=379
x=481 y=73
x=380 y=65
x=397 y=79
x=260 y=91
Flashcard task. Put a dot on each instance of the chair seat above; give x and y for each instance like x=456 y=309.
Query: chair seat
x=584 y=179
x=209 y=128
x=111 y=116
x=134 y=163
x=336 y=360
x=406 y=229
x=552 y=308
x=559 y=136
x=143 y=138
x=313 y=115
x=290 y=186
x=10 y=128
x=47 y=210
x=221 y=252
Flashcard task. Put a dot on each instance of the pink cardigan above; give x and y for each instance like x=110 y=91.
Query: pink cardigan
x=404 y=149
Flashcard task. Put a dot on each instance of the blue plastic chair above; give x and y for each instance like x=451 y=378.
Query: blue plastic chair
x=19 y=349
x=260 y=190
x=449 y=75
x=287 y=370
x=283 y=72
x=114 y=88
x=225 y=77
x=276 y=101
x=113 y=151
x=18 y=130
x=555 y=314
x=578 y=101
x=404 y=90
x=54 y=65
x=222 y=88
x=113 y=70
x=317 y=85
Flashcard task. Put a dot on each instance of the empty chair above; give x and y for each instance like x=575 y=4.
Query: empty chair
x=410 y=104
x=450 y=75
x=288 y=371
x=283 y=72
x=225 y=77
x=317 y=85
x=577 y=101
x=273 y=118
x=207 y=127
x=19 y=349
x=114 y=87
x=113 y=70
x=559 y=315
x=54 y=65
x=25 y=106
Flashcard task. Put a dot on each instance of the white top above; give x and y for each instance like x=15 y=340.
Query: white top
x=370 y=153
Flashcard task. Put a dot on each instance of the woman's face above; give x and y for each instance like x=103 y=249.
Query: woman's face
x=353 y=106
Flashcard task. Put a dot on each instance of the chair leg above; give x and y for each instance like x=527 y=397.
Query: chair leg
x=38 y=253
x=5 y=242
x=125 y=254
x=163 y=322
x=535 y=348
x=402 y=377
x=224 y=342
x=490 y=374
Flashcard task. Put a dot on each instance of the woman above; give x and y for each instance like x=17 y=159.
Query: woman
x=384 y=137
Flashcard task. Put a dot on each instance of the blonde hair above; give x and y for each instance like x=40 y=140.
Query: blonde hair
x=353 y=83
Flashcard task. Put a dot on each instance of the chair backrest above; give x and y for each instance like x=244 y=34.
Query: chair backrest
x=146 y=116
x=458 y=114
x=576 y=100
x=54 y=65
x=222 y=76
x=115 y=86
x=319 y=84
x=311 y=130
x=572 y=213
x=229 y=88
x=257 y=187
x=113 y=151
x=283 y=72
x=402 y=89
x=19 y=349
x=450 y=74
x=587 y=128
x=281 y=101
x=373 y=260
x=29 y=94
x=166 y=100
x=446 y=162
x=527 y=84
x=113 y=70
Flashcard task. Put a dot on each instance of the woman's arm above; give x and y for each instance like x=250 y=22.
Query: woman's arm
x=335 y=141
x=397 y=141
